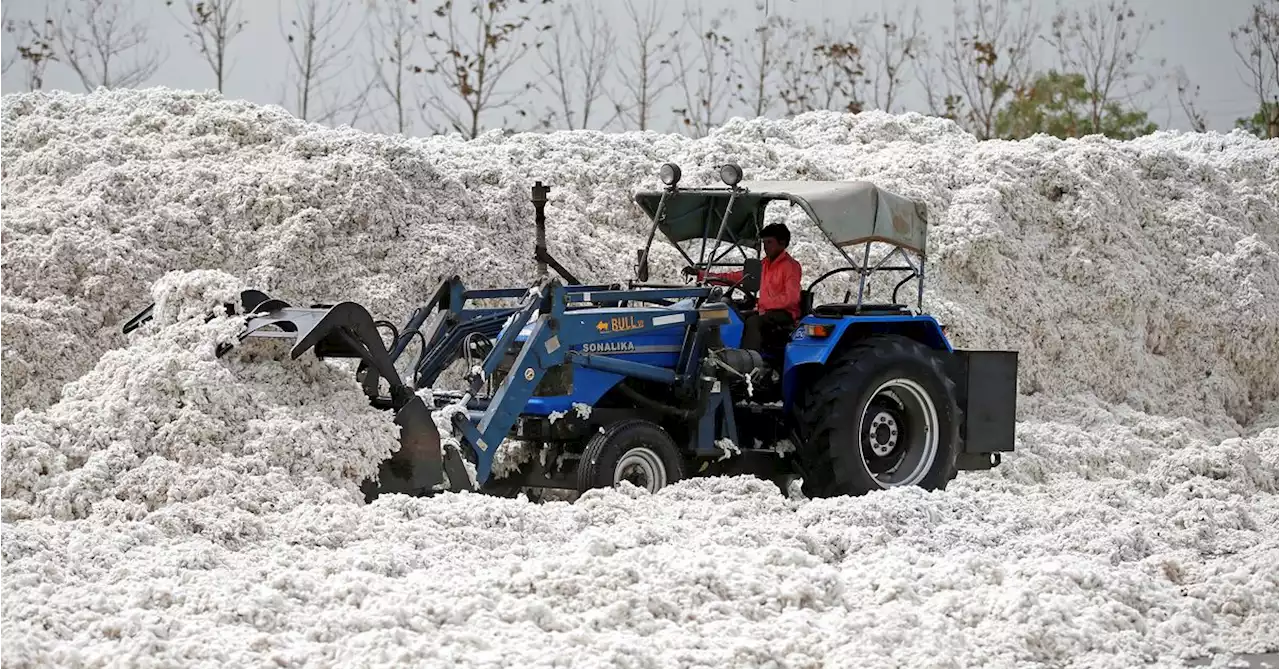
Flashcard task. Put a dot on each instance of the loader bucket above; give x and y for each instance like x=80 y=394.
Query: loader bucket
x=347 y=330
x=417 y=468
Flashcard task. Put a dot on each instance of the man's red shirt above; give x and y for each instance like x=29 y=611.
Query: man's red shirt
x=779 y=284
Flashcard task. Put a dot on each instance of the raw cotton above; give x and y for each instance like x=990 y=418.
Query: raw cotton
x=1141 y=272
x=1113 y=540
x=170 y=507
x=165 y=421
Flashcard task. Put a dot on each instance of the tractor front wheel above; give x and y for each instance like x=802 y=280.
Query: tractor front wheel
x=882 y=415
x=637 y=451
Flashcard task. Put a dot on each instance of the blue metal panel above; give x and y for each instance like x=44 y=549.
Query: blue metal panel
x=731 y=332
x=639 y=294
x=625 y=367
x=492 y=293
x=805 y=350
x=589 y=385
x=545 y=345
x=718 y=418
x=655 y=347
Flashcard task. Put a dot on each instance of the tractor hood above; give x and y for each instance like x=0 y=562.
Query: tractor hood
x=609 y=314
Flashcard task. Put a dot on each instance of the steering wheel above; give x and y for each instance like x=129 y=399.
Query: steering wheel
x=748 y=301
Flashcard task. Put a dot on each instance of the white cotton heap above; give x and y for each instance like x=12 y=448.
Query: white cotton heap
x=165 y=421
x=169 y=506
x=1140 y=272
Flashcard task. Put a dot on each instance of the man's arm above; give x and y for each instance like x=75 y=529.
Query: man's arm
x=791 y=284
x=732 y=277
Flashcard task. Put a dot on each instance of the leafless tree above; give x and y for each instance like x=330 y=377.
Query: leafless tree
x=845 y=69
x=706 y=72
x=1188 y=100
x=318 y=55
x=983 y=60
x=805 y=82
x=1255 y=44
x=467 y=63
x=11 y=27
x=393 y=35
x=824 y=70
x=1104 y=44
x=645 y=73
x=890 y=52
x=212 y=25
x=760 y=56
x=34 y=46
x=576 y=55
x=104 y=44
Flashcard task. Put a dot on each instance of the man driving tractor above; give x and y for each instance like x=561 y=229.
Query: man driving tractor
x=778 y=302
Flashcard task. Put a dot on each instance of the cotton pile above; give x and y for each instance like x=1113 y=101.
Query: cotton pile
x=173 y=506
x=165 y=421
x=1141 y=272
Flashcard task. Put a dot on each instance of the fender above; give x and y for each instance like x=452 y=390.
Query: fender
x=809 y=347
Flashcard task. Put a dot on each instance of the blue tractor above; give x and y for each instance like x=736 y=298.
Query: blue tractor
x=645 y=382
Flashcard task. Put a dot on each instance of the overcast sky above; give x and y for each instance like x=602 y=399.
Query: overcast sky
x=1193 y=35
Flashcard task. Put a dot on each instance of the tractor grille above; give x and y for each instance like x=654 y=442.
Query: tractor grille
x=558 y=380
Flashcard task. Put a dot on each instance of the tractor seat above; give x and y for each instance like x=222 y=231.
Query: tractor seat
x=840 y=310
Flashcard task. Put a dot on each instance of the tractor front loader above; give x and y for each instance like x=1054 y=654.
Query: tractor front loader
x=646 y=382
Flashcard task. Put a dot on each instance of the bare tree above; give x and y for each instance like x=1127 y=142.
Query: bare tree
x=805 y=81
x=706 y=73
x=984 y=60
x=1255 y=44
x=394 y=36
x=469 y=62
x=34 y=49
x=940 y=99
x=576 y=62
x=317 y=56
x=846 y=71
x=645 y=74
x=10 y=27
x=95 y=37
x=213 y=24
x=760 y=56
x=1188 y=100
x=891 y=53
x=1104 y=44
x=824 y=70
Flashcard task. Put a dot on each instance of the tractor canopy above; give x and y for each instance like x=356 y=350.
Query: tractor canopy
x=849 y=213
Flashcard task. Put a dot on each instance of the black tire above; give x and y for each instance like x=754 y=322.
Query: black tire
x=648 y=456
x=838 y=411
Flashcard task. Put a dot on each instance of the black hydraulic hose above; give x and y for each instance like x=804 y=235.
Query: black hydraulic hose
x=635 y=396
x=395 y=332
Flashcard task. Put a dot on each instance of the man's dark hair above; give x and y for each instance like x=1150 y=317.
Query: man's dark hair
x=777 y=231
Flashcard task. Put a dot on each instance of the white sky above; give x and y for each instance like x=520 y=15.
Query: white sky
x=1193 y=35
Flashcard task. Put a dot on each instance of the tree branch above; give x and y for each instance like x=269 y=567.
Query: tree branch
x=95 y=35
x=645 y=74
x=576 y=65
x=212 y=25
x=315 y=59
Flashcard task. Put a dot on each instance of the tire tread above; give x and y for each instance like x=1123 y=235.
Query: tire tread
x=818 y=412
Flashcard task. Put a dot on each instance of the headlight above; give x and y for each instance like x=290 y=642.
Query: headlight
x=731 y=174
x=670 y=174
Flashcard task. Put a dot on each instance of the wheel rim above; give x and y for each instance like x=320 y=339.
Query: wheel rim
x=898 y=433
x=641 y=467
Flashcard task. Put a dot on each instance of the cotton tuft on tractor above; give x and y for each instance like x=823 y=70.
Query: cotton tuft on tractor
x=647 y=382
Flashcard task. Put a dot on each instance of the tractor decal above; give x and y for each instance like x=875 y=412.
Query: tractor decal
x=620 y=324
x=628 y=347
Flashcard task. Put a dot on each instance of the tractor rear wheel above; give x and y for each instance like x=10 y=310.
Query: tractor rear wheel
x=881 y=415
x=633 y=450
